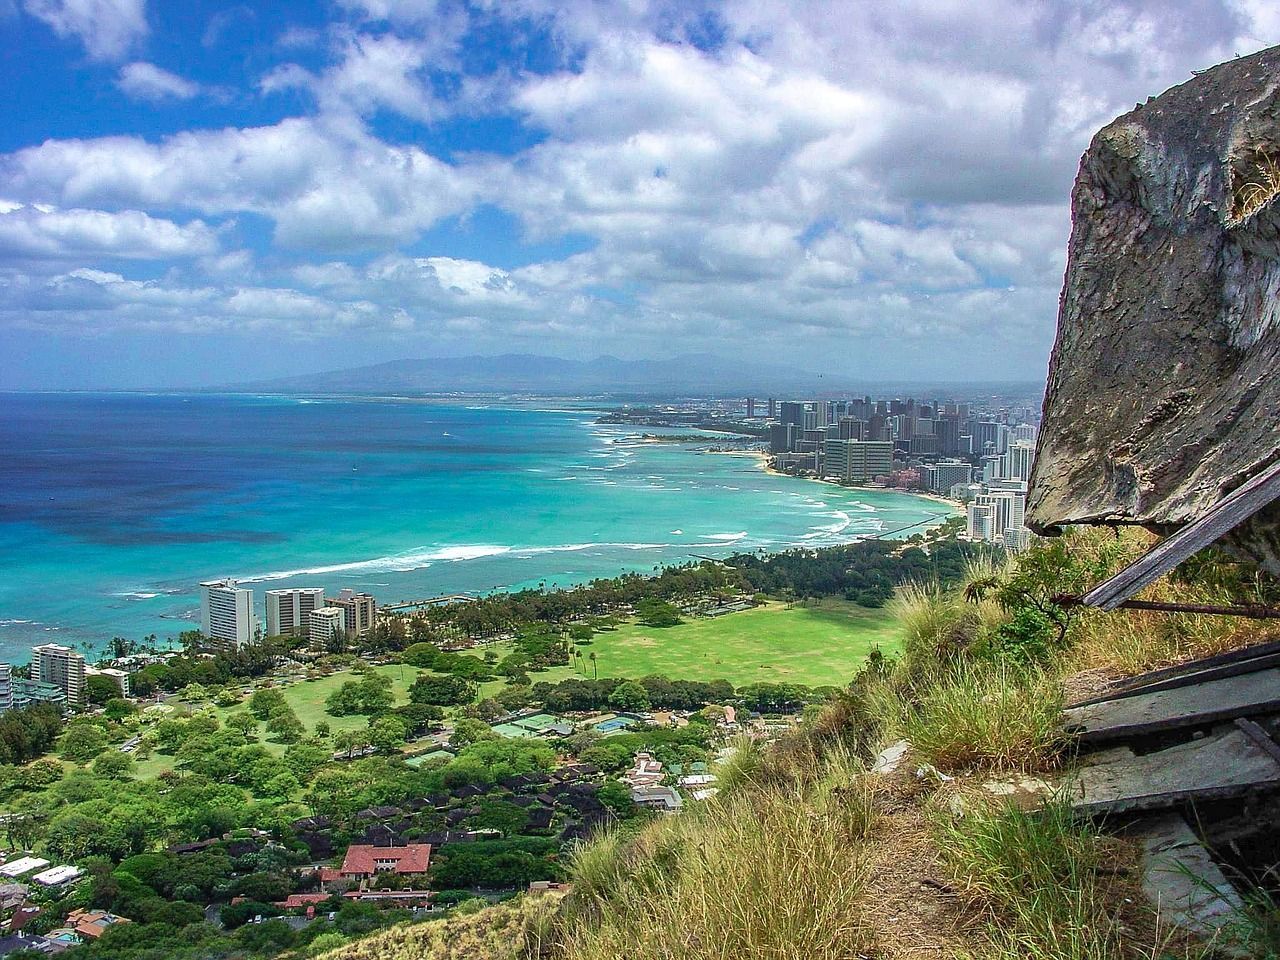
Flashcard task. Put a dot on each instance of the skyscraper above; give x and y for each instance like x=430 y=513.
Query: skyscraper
x=226 y=614
x=62 y=667
x=288 y=610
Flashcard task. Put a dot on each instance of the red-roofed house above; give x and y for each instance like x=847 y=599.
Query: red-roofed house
x=363 y=861
x=295 y=901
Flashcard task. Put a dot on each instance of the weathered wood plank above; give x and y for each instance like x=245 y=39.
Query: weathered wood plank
x=1193 y=706
x=1188 y=678
x=1236 y=507
x=1227 y=765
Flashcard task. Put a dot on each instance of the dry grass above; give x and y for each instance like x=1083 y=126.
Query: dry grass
x=1048 y=886
x=773 y=873
x=992 y=717
x=509 y=931
x=1260 y=189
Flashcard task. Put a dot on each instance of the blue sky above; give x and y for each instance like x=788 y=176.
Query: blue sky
x=201 y=193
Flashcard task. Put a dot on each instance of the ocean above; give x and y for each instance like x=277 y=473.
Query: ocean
x=114 y=506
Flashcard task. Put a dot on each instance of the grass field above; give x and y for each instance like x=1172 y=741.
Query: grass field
x=822 y=644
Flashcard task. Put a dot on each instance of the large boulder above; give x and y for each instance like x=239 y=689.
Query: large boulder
x=1164 y=392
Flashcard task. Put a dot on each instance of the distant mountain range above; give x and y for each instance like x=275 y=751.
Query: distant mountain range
x=692 y=374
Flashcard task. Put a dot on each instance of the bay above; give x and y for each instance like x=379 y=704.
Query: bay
x=114 y=506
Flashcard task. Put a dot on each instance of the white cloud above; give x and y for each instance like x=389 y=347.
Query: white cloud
x=108 y=29
x=146 y=81
x=44 y=232
x=325 y=186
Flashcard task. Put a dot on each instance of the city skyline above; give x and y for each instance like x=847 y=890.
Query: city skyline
x=218 y=193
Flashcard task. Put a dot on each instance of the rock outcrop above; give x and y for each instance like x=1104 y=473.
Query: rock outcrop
x=1164 y=392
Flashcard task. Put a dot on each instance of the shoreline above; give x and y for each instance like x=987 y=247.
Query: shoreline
x=763 y=459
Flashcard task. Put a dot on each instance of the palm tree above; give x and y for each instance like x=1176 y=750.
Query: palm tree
x=595 y=666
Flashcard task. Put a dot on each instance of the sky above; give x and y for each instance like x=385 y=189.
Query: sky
x=199 y=193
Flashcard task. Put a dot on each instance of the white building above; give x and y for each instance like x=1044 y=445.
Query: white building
x=325 y=623
x=62 y=667
x=289 y=610
x=945 y=474
x=6 y=687
x=979 y=525
x=1018 y=460
x=226 y=614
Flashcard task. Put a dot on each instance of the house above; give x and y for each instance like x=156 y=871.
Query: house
x=58 y=876
x=363 y=861
x=22 y=941
x=657 y=797
x=403 y=898
x=23 y=865
x=297 y=901
x=646 y=772
x=91 y=924
x=13 y=894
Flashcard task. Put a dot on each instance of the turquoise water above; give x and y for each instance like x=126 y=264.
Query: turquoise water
x=114 y=506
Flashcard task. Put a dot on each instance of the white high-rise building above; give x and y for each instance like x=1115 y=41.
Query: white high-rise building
x=6 y=687
x=62 y=667
x=226 y=614
x=1018 y=460
x=1025 y=431
x=289 y=610
x=979 y=521
x=325 y=623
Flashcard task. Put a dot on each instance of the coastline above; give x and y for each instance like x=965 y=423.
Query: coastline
x=763 y=459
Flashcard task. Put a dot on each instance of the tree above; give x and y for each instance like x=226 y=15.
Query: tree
x=629 y=695
x=442 y=691
x=264 y=701
x=113 y=765
x=370 y=695
x=387 y=734
x=468 y=731
x=83 y=742
x=99 y=689
x=118 y=708
x=658 y=613
x=286 y=726
x=245 y=723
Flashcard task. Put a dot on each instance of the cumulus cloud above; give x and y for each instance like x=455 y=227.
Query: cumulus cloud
x=324 y=187
x=108 y=29
x=39 y=231
x=876 y=179
x=146 y=81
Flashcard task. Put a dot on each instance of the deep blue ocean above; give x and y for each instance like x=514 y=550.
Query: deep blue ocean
x=114 y=506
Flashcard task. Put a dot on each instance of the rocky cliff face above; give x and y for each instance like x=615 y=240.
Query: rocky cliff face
x=1164 y=391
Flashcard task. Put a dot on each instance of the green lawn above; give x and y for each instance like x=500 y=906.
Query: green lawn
x=821 y=644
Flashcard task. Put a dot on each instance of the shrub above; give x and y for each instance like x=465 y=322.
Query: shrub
x=989 y=717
